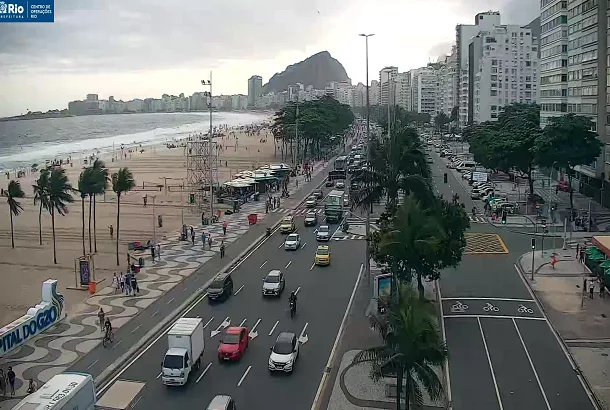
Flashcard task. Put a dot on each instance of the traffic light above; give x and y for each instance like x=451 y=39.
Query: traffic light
x=533 y=243
x=445 y=177
x=504 y=217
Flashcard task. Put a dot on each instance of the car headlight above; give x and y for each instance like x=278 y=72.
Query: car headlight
x=181 y=374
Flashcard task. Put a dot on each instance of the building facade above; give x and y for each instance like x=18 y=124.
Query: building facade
x=386 y=80
x=255 y=89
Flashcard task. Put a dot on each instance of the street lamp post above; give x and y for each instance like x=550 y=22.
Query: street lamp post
x=154 y=227
x=368 y=157
x=210 y=147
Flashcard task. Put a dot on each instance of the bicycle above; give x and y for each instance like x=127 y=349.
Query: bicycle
x=108 y=339
x=459 y=307
x=523 y=309
x=490 y=308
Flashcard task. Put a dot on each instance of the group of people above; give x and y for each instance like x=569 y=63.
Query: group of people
x=127 y=283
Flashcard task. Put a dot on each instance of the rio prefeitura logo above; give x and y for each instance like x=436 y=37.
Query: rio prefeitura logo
x=9 y=11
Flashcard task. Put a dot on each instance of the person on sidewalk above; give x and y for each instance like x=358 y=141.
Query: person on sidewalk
x=553 y=260
x=2 y=383
x=222 y=249
x=591 y=289
x=115 y=283
x=152 y=252
x=224 y=227
x=100 y=316
x=10 y=376
x=159 y=251
x=122 y=282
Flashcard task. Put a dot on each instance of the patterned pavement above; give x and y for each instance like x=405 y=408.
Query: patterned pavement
x=59 y=347
x=484 y=243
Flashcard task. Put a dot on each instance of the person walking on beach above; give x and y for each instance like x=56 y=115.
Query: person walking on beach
x=203 y=237
x=115 y=283
x=224 y=228
x=152 y=252
x=122 y=282
x=111 y=229
x=10 y=376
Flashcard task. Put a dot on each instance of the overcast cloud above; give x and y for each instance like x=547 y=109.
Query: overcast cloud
x=107 y=41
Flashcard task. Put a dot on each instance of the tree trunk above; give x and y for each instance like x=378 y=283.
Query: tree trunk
x=399 y=393
x=530 y=181
x=90 y=204
x=53 y=228
x=12 y=233
x=118 y=219
x=94 y=228
x=420 y=287
x=571 y=192
x=40 y=223
x=82 y=207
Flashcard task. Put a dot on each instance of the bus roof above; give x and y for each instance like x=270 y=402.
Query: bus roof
x=46 y=396
x=334 y=192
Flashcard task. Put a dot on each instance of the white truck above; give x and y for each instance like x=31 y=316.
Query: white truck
x=122 y=395
x=184 y=350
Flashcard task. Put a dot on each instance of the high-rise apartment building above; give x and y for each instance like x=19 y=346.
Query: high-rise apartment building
x=463 y=35
x=374 y=93
x=424 y=89
x=587 y=56
x=255 y=89
x=502 y=70
x=386 y=80
x=402 y=84
x=553 y=59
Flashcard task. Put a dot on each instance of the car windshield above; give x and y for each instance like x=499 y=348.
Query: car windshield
x=272 y=279
x=230 y=339
x=311 y=198
x=322 y=251
x=287 y=220
x=292 y=238
x=217 y=285
x=172 y=362
x=310 y=215
x=282 y=347
x=323 y=229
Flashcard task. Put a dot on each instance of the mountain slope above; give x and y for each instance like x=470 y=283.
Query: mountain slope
x=317 y=70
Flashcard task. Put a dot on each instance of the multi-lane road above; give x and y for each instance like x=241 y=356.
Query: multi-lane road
x=323 y=297
x=503 y=352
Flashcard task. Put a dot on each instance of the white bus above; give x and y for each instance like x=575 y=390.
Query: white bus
x=65 y=391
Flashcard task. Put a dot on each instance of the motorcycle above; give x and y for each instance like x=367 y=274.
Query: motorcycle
x=293 y=308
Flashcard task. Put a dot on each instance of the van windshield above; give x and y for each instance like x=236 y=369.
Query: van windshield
x=217 y=285
x=173 y=362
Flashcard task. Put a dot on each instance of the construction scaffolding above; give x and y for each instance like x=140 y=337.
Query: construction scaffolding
x=201 y=171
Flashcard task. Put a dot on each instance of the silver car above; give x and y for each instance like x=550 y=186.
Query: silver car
x=273 y=283
x=340 y=185
x=323 y=233
x=311 y=202
x=292 y=242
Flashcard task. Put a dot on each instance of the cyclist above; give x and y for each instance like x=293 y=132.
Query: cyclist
x=293 y=300
x=108 y=328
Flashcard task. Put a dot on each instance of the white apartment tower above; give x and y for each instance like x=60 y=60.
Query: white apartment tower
x=553 y=59
x=502 y=70
x=463 y=34
x=374 y=93
x=386 y=77
x=447 y=83
x=403 y=90
x=424 y=86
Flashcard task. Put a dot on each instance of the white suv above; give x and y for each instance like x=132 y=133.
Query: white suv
x=284 y=352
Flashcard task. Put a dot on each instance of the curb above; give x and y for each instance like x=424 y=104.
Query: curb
x=594 y=400
x=103 y=381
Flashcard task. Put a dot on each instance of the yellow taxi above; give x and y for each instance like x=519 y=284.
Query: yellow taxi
x=287 y=225
x=323 y=255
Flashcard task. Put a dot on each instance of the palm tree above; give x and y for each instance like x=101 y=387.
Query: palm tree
x=411 y=243
x=59 y=195
x=86 y=186
x=101 y=179
x=122 y=181
x=411 y=349
x=40 y=196
x=12 y=193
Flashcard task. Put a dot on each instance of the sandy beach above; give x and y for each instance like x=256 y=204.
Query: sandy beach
x=29 y=264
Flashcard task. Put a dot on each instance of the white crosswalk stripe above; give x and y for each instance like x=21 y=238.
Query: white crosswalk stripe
x=477 y=219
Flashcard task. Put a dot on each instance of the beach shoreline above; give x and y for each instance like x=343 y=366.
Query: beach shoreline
x=158 y=171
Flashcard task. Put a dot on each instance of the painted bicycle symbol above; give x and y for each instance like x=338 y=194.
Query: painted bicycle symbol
x=490 y=308
x=459 y=307
x=523 y=309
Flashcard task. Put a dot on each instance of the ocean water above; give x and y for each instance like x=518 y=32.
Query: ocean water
x=23 y=143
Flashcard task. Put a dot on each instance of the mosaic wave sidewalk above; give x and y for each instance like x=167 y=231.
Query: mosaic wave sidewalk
x=56 y=349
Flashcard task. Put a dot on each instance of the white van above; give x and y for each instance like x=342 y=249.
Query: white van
x=466 y=166
x=65 y=391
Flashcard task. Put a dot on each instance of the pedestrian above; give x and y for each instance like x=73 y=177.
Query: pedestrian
x=210 y=241
x=31 y=386
x=553 y=260
x=577 y=250
x=591 y=289
x=224 y=228
x=145 y=198
x=2 y=383
x=222 y=249
x=152 y=252
x=10 y=376
x=159 y=251
x=203 y=237
x=203 y=219
x=115 y=283
x=101 y=315
x=122 y=282
x=111 y=229
x=602 y=287
x=134 y=285
x=128 y=276
x=192 y=236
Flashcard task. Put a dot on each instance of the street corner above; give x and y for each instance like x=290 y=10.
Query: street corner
x=478 y=243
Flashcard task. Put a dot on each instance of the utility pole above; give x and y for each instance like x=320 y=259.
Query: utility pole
x=211 y=155
x=367 y=263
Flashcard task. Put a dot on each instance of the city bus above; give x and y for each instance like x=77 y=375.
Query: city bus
x=341 y=163
x=65 y=391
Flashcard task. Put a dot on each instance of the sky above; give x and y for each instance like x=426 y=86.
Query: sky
x=145 y=48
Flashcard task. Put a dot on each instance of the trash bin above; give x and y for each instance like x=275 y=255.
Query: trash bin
x=91 y=288
x=141 y=261
x=252 y=219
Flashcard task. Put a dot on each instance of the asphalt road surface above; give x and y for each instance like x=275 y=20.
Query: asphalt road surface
x=503 y=352
x=323 y=296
